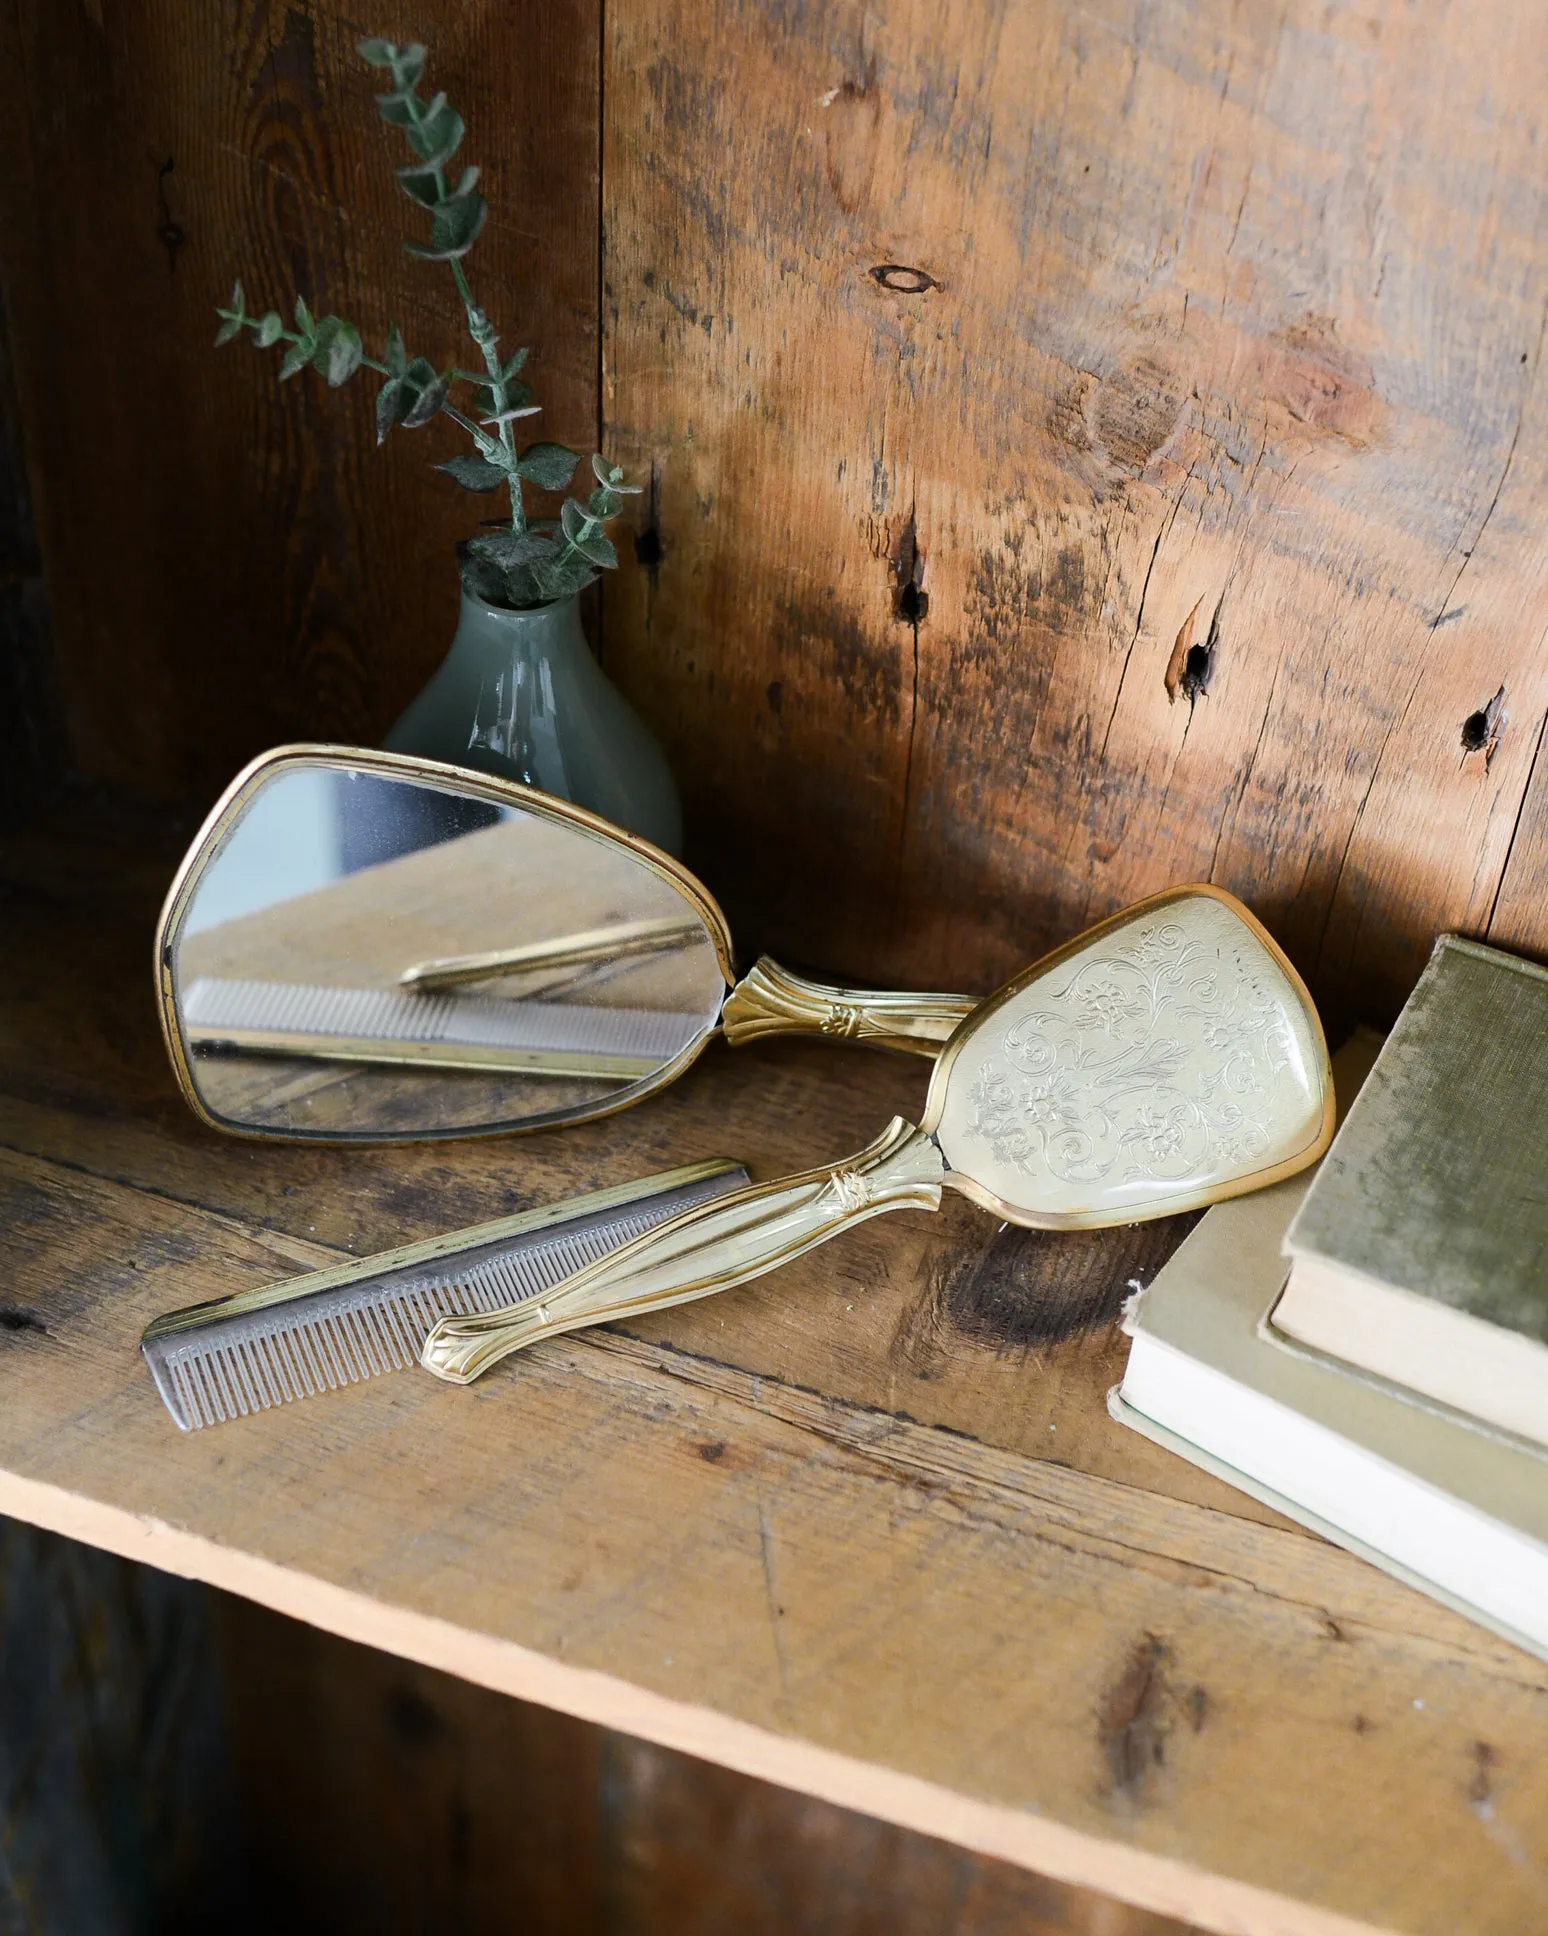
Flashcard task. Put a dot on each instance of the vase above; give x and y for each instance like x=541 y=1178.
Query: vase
x=520 y=695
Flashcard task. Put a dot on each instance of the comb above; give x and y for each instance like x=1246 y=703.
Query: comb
x=433 y=1031
x=238 y=1355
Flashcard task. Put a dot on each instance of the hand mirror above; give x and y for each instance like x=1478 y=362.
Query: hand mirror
x=1166 y=1059
x=365 y=946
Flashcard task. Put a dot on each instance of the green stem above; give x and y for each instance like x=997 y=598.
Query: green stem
x=482 y=332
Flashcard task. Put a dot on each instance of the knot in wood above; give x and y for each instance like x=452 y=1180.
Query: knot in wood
x=902 y=278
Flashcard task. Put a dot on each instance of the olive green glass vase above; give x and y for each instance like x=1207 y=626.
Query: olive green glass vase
x=520 y=695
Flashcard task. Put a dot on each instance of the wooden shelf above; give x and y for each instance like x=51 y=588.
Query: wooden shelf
x=863 y=1528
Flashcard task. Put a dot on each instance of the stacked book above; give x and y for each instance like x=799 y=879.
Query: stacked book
x=1368 y=1351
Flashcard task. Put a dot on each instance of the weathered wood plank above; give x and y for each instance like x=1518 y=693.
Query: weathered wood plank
x=233 y=564
x=1233 y=312
x=1041 y=1663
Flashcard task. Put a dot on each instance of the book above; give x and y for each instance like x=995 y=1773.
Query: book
x=1421 y=1251
x=1458 y=1512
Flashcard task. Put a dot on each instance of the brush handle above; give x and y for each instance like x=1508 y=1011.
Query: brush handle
x=614 y=943
x=769 y=1000
x=712 y=1248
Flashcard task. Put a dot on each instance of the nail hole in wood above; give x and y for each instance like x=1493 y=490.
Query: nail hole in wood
x=170 y=234
x=1192 y=664
x=902 y=280
x=1481 y=730
x=648 y=550
x=1194 y=683
x=910 y=600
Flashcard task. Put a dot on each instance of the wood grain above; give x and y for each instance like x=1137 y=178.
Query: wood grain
x=975 y=355
x=752 y=1533
x=971 y=359
x=231 y=563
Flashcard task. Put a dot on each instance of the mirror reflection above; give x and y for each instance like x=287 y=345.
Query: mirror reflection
x=375 y=955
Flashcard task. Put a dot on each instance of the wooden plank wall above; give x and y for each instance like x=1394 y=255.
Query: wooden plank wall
x=232 y=563
x=1112 y=329
x=982 y=363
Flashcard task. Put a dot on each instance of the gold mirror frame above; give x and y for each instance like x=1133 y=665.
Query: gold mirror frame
x=222 y=818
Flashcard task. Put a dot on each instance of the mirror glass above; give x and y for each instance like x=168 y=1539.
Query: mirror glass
x=374 y=955
x=1166 y=1059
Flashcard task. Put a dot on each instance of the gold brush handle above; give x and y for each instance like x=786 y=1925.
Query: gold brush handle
x=722 y=1243
x=769 y=1000
x=563 y=951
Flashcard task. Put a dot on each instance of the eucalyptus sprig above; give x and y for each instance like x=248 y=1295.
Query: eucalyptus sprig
x=528 y=562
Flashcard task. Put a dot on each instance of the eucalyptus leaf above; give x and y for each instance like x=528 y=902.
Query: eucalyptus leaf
x=391 y=401
x=439 y=134
x=295 y=358
x=338 y=351
x=454 y=229
x=229 y=330
x=380 y=53
x=564 y=578
x=303 y=317
x=482 y=578
x=423 y=184
x=397 y=355
x=512 y=415
x=549 y=466
x=397 y=109
x=459 y=219
x=473 y=473
x=517 y=396
x=513 y=364
x=513 y=547
x=598 y=547
x=420 y=372
x=428 y=403
x=270 y=329
x=611 y=475
x=525 y=589
x=238 y=299
x=425 y=252
x=408 y=64
x=604 y=503
x=574 y=521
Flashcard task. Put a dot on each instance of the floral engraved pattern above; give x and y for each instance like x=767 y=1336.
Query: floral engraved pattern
x=1168 y=1054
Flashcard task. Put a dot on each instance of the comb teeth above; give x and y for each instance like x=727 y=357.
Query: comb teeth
x=476 y=1021
x=227 y=1367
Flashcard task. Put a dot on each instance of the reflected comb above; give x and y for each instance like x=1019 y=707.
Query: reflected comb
x=242 y=1354
x=428 y=1031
